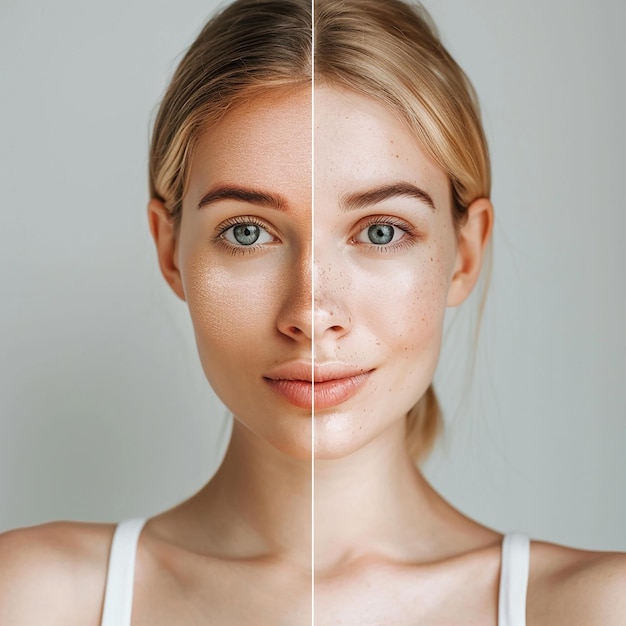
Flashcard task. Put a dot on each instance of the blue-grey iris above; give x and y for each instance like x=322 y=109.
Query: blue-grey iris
x=246 y=234
x=380 y=234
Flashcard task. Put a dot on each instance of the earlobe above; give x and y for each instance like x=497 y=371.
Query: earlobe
x=472 y=241
x=165 y=238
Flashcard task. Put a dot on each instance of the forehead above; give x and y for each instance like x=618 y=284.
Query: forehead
x=265 y=143
x=359 y=142
x=275 y=142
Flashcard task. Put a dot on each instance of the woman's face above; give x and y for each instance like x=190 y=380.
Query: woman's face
x=346 y=265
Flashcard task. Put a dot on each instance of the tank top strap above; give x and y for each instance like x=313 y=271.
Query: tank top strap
x=118 y=595
x=514 y=568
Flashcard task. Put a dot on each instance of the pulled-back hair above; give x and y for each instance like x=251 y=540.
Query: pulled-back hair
x=388 y=50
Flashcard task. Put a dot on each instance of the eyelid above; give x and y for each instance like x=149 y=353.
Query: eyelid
x=229 y=235
x=239 y=220
x=242 y=220
x=396 y=222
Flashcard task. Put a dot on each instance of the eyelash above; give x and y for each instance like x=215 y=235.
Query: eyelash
x=412 y=236
x=236 y=221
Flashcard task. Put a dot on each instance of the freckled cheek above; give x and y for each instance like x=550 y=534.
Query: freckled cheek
x=406 y=302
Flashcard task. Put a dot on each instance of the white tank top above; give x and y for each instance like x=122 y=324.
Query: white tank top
x=118 y=598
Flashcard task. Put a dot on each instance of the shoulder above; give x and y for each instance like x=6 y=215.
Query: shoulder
x=576 y=587
x=53 y=574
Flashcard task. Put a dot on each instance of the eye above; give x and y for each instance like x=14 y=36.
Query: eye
x=246 y=234
x=381 y=234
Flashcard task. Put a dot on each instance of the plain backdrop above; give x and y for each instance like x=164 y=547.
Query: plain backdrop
x=104 y=410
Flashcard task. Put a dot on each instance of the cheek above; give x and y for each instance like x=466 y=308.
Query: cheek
x=406 y=299
x=405 y=316
x=232 y=304
x=397 y=305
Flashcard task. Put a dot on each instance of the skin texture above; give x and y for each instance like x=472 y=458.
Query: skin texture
x=223 y=283
x=383 y=305
x=388 y=549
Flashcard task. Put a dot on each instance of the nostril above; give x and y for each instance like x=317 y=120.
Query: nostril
x=336 y=328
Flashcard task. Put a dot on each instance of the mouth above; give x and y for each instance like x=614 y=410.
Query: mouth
x=317 y=387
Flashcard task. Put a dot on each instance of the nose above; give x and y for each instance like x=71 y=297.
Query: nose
x=331 y=314
x=314 y=306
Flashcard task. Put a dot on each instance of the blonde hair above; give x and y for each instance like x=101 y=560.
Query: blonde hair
x=386 y=49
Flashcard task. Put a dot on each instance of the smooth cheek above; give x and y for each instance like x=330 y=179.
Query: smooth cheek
x=232 y=306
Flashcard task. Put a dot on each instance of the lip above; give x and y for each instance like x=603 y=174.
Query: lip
x=319 y=386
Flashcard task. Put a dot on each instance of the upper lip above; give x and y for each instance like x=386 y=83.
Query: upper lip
x=319 y=372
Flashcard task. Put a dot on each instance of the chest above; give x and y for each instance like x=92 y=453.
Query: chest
x=222 y=593
x=401 y=597
x=168 y=587
x=242 y=594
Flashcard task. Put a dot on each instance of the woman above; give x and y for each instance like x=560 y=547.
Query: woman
x=337 y=275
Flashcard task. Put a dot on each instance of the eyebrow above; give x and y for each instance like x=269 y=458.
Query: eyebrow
x=363 y=199
x=243 y=194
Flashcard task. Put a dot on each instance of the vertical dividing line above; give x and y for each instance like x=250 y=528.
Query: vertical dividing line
x=312 y=313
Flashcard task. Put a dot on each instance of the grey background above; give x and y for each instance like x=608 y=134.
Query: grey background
x=104 y=410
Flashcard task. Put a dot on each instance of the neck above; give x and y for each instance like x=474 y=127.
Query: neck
x=260 y=500
x=371 y=503
x=374 y=503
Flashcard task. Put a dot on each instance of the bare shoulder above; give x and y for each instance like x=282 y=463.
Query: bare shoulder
x=53 y=574
x=576 y=587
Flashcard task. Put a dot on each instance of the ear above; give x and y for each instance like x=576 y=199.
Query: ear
x=471 y=242
x=165 y=238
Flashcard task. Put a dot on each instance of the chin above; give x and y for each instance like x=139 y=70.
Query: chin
x=290 y=435
x=296 y=448
x=339 y=435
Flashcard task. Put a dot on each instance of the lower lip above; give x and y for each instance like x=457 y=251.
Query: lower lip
x=302 y=393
